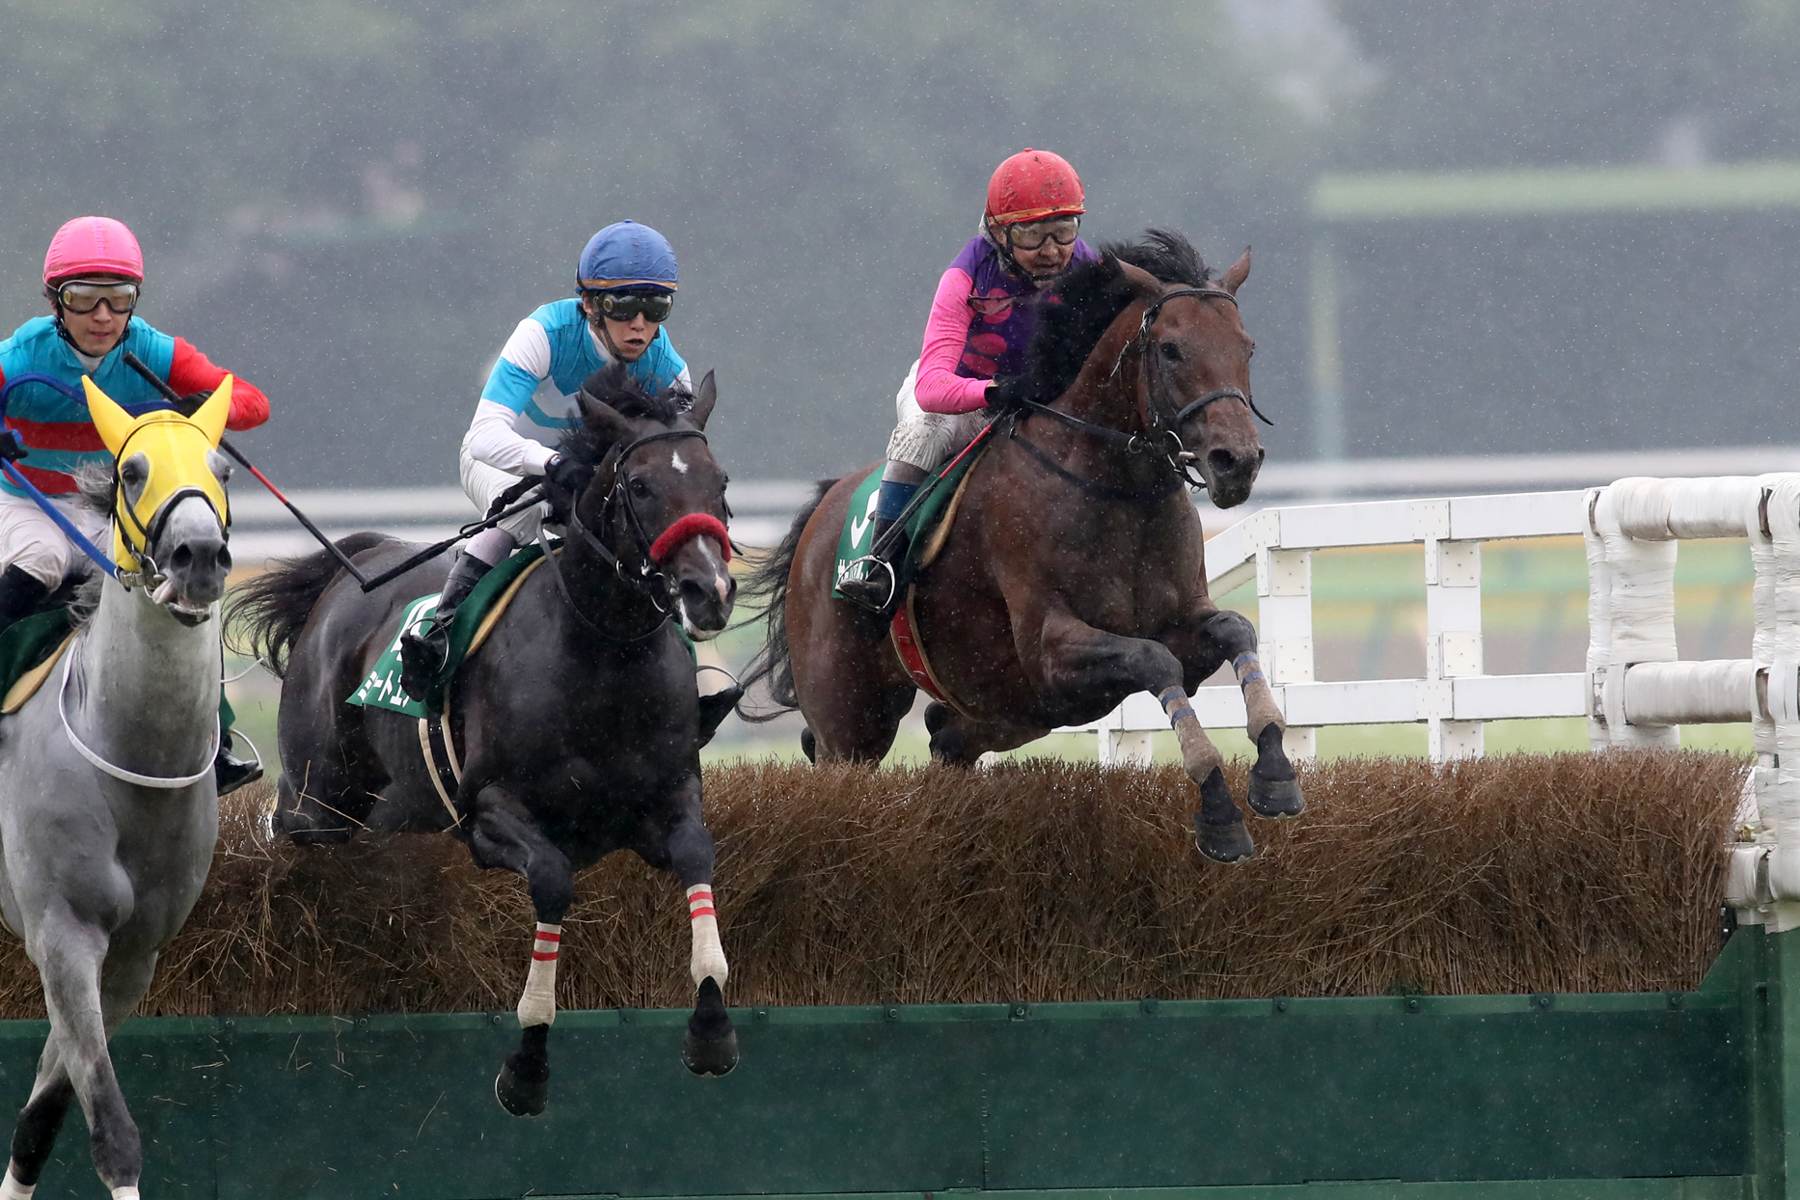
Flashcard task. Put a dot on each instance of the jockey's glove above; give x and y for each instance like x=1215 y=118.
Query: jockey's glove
x=567 y=475
x=11 y=448
x=1007 y=393
x=190 y=404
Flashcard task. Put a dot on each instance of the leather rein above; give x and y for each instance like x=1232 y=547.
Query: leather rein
x=648 y=580
x=1163 y=438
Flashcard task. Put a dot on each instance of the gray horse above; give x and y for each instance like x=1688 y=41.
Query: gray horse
x=108 y=809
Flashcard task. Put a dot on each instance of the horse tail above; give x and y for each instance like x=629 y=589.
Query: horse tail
x=769 y=583
x=266 y=615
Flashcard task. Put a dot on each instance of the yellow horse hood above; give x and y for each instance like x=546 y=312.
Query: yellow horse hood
x=175 y=450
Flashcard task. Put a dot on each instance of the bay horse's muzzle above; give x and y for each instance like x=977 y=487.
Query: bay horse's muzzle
x=1230 y=474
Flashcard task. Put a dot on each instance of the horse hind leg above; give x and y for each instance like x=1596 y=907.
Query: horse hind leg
x=961 y=741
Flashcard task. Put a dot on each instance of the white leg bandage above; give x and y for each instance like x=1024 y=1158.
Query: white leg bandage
x=12 y=1189
x=128 y=1192
x=538 y=1005
x=709 y=956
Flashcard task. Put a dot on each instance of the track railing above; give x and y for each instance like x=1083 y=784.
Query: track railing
x=1455 y=698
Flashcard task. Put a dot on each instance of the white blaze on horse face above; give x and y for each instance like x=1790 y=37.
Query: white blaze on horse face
x=676 y=462
x=709 y=955
x=538 y=1004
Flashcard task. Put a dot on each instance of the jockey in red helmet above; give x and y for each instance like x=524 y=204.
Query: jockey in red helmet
x=980 y=324
x=93 y=273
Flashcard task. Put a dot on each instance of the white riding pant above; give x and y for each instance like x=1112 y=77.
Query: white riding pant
x=484 y=483
x=35 y=544
x=927 y=440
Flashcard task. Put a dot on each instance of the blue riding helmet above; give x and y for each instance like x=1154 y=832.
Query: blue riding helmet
x=626 y=256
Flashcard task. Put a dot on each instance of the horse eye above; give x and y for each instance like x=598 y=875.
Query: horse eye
x=639 y=487
x=1171 y=351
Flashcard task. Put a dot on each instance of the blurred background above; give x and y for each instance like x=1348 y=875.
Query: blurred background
x=353 y=204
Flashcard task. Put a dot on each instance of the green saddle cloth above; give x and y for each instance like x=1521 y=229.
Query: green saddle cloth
x=858 y=538
x=29 y=641
x=382 y=687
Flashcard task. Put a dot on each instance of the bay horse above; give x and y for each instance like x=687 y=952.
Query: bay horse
x=578 y=721
x=1072 y=575
x=108 y=805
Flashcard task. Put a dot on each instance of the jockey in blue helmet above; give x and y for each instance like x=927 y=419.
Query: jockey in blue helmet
x=624 y=290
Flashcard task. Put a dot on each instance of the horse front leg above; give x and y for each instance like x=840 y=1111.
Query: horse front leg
x=1081 y=668
x=685 y=847
x=1223 y=636
x=504 y=835
x=69 y=953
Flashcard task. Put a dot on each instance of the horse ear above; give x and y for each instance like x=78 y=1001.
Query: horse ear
x=602 y=417
x=704 y=399
x=1240 y=271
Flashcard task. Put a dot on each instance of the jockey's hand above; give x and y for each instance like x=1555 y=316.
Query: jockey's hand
x=568 y=475
x=11 y=448
x=1006 y=393
x=190 y=404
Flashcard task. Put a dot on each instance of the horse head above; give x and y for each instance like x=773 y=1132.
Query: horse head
x=169 y=510
x=657 y=496
x=1194 y=377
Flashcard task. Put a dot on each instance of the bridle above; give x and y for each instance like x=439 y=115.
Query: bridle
x=1164 y=437
x=648 y=580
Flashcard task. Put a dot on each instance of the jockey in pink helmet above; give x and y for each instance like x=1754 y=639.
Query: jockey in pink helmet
x=980 y=324
x=93 y=274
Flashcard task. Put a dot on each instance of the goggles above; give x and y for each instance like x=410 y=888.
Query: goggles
x=625 y=306
x=84 y=296
x=1033 y=234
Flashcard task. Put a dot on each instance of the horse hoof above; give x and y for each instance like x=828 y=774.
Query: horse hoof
x=1224 y=843
x=711 y=1057
x=518 y=1097
x=808 y=746
x=1276 y=798
x=523 y=1085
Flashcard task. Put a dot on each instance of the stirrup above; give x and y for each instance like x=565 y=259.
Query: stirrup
x=866 y=580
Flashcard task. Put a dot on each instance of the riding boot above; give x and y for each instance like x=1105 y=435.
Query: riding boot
x=423 y=655
x=876 y=589
x=21 y=594
x=231 y=772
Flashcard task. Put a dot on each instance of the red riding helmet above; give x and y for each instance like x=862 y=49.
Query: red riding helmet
x=1033 y=185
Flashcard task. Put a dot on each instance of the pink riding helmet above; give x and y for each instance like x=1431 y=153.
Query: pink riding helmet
x=93 y=246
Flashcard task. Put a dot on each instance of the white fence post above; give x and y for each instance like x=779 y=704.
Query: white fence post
x=1284 y=627
x=1452 y=632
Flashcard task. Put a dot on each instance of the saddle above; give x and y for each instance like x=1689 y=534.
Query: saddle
x=928 y=528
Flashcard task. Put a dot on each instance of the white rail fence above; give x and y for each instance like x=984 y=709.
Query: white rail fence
x=1635 y=691
x=1454 y=700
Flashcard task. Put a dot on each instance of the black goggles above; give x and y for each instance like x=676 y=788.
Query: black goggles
x=625 y=306
x=83 y=296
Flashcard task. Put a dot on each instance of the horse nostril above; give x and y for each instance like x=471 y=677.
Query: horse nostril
x=1223 y=462
x=182 y=558
x=223 y=558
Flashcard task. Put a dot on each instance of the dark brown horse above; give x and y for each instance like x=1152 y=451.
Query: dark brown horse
x=578 y=723
x=1072 y=576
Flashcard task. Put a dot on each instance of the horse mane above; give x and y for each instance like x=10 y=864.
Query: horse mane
x=1076 y=313
x=615 y=387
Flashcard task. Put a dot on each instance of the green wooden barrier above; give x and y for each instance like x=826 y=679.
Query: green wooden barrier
x=1680 y=1095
